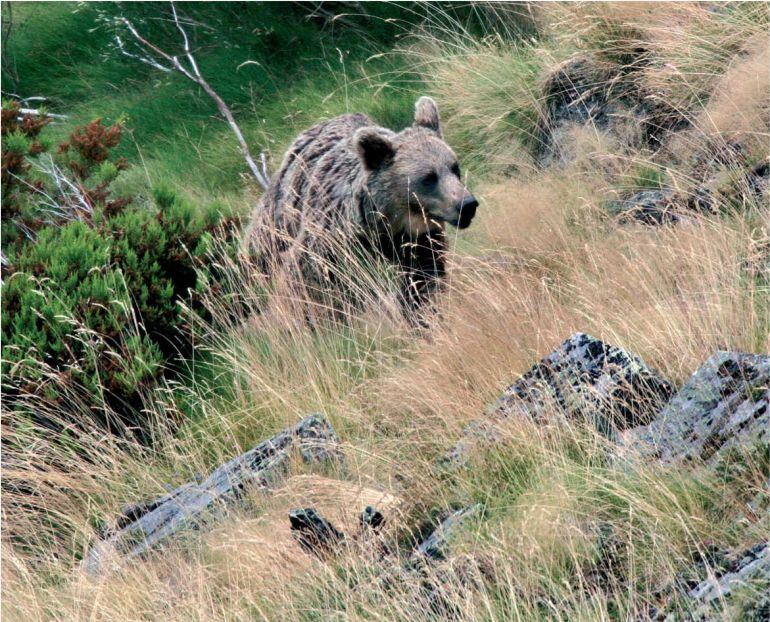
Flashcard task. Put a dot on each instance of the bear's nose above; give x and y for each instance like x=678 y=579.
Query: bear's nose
x=467 y=210
x=468 y=203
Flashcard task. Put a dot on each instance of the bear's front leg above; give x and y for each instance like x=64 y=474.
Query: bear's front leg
x=424 y=267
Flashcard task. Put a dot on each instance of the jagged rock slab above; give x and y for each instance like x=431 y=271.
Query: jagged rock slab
x=147 y=525
x=583 y=378
x=586 y=376
x=725 y=404
x=436 y=544
x=750 y=571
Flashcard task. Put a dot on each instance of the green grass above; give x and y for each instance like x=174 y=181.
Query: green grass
x=648 y=178
x=278 y=70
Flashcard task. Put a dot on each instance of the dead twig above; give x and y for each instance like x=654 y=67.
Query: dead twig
x=161 y=60
x=36 y=112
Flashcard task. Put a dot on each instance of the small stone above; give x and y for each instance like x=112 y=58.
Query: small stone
x=371 y=519
x=651 y=207
x=435 y=545
x=314 y=534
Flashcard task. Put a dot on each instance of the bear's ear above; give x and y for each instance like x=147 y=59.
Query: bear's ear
x=374 y=149
x=426 y=114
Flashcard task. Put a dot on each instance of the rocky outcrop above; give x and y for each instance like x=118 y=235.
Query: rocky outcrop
x=575 y=93
x=718 y=181
x=144 y=526
x=722 y=414
x=436 y=545
x=583 y=91
x=748 y=572
x=726 y=403
x=584 y=378
x=723 y=407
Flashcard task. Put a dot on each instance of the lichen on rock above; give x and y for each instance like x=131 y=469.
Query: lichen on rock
x=725 y=404
x=585 y=379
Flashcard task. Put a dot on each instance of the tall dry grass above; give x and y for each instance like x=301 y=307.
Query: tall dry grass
x=672 y=296
x=563 y=535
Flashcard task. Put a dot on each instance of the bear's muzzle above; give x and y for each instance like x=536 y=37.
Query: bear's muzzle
x=466 y=210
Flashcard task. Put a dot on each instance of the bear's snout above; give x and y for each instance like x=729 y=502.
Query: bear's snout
x=466 y=210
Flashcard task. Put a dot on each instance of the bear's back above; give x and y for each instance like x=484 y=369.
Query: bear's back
x=317 y=172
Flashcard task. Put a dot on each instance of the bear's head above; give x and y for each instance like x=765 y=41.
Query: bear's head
x=413 y=176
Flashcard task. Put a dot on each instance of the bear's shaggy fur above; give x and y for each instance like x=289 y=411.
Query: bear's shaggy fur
x=348 y=179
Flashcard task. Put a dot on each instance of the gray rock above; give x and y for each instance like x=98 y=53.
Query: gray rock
x=760 y=504
x=151 y=523
x=576 y=93
x=584 y=378
x=750 y=572
x=434 y=579
x=314 y=533
x=435 y=545
x=664 y=206
x=651 y=207
x=583 y=91
x=753 y=563
x=725 y=404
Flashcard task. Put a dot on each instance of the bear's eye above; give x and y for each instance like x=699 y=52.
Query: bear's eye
x=429 y=180
x=456 y=169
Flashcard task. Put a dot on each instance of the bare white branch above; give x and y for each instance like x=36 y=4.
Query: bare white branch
x=37 y=113
x=143 y=59
x=66 y=202
x=187 y=51
x=33 y=111
x=263 y=160
x=151 y=56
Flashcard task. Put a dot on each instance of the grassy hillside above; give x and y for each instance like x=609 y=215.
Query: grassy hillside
x=277 y=66
x=563 y=533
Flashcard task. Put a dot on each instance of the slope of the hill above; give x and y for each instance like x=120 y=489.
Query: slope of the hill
x=621 y=152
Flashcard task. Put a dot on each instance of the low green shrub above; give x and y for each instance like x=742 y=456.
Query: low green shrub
x=91 y=282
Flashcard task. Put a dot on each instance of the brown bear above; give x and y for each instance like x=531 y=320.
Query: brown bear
x=348 y=179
